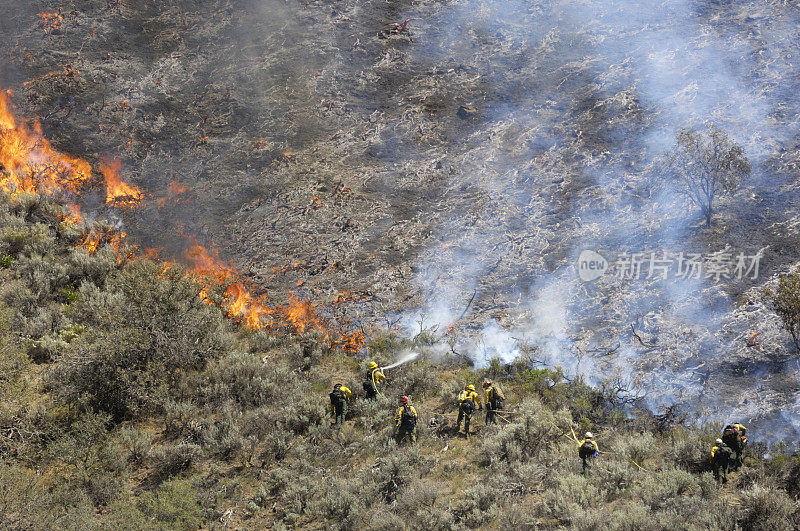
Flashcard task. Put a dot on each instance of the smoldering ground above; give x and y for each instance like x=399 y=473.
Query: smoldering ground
x=324 y=151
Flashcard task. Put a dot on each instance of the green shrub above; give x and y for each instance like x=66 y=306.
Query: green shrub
x=309 y=349
x=784 y=300
x=533 y=429
x=768 y=509
x=616 y=480
x=416 y=379
x=245 y=380
x=473 y=504
x=137 y=443
x=90 y=267
x=123 y=369
x=103 y=487
x=123 y=514
x=169 y=460
x=175 y=504
x=691 y=452
x=45 y=349
x=304 y=411
x=341 y=504
x=224 y=438
x=20 y=239
x=636 y=448
x=658 y=489
x=570 y=495
x=389 y=475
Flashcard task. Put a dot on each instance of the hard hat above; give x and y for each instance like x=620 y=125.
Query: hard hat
x=719 y=441
x=373 y=365
x=588 y=435
x=337 y=385
x=404 y=400
x=470 y=387
x=487 y=383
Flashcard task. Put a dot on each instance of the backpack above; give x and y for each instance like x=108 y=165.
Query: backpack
x=467 y=406
x=369 y=386
x=408 y=418
x=369 y=383
x=586 y=450
x=337 y=398
x=497 y=399
x=723 y=453
x=730 y=436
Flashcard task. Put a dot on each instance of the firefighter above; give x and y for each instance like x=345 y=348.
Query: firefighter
x=467 y=401
x=720 y=459
x=742 y=444
x=406 y=421
x=494 y=399
x=339 y=397
x=734 y=438
x=587 y=450
x=373 y=380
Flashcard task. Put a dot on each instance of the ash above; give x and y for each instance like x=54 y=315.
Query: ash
x=444 y=164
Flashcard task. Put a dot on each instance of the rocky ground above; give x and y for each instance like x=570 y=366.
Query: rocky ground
x=438 y=163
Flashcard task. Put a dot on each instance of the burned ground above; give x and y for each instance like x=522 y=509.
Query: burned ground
x=322 y=148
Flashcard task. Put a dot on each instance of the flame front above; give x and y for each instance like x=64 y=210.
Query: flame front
x=118 y=192
x=254 y=311
x=28 y=163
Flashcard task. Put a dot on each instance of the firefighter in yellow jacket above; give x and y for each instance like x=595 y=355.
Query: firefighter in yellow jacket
x=742 y=444
x=406 y=421
x=373 y=380
x=467 y=402
x=339 y=397
x=494 y=399
x=720 y=460
x=587 y=450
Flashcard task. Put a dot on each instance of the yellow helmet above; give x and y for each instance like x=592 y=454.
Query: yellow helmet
x=373 y=365
x=470 y=387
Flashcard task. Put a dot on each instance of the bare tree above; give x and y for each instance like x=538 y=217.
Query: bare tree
x=707 y=164
x=785 y=301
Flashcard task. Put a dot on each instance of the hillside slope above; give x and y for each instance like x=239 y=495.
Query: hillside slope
x=130 y=402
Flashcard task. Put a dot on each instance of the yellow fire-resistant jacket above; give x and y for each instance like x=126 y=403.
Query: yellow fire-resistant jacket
x=399 y=414
x=377 y=376
x=470 y=395
x=347 y=392
x=493 y=390
x=742 y=429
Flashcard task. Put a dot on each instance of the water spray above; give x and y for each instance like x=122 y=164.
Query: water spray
x=405 y=359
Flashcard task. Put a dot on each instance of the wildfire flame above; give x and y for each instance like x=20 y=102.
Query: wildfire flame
x=254 y=311
x=118 y=192
x=94 y=240
x=29 y=164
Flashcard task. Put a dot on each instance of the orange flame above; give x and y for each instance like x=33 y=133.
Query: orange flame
x=174 y=192
x=94 y=240
x=28 y=163
x=50 y=22
x=72 y=214
x=254 y=311
x=118 y=192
